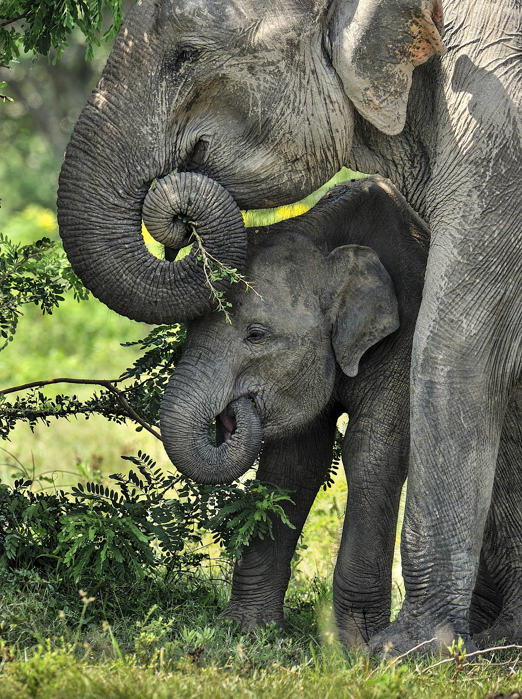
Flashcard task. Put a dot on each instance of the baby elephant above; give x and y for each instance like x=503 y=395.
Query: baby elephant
x=327 y=329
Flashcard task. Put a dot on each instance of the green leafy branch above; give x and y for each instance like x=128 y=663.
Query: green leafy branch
x=237 y=521
x=36 y=274
x=40 y=407
x=3 y=85
x=128 y=530
x=139 y=401
x=216 y=272
x=38 y=26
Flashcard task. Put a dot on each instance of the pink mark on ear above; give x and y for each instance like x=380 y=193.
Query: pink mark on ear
x=427 y=41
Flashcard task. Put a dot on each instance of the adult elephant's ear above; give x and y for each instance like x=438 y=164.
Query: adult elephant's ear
x=375 y=45
x=361 y=303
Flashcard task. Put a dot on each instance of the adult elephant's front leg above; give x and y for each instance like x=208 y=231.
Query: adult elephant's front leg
x=298 y=463
x=463 y=364
x=502 y=546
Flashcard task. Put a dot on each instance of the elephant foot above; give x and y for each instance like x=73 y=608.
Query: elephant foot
x=352 y=637
x=506 y=630
x=355 y=631
x=251 y=619
x=408 y=635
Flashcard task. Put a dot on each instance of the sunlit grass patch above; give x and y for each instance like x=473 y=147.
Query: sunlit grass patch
x=267 y=217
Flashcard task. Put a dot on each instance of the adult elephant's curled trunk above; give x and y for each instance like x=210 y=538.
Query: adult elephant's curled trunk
x=101 y=232
x=186 y=416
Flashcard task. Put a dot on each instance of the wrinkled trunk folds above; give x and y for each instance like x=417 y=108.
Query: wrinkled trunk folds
x=101 y=221
x=185 y=419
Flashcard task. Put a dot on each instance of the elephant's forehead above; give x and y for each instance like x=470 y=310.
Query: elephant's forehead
x=263 y=18
x=285 y=276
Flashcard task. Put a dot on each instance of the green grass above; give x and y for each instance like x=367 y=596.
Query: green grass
x=165 y=639
x=57 y=674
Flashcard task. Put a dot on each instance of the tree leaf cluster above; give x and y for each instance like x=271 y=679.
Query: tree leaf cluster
x=162 y=348
x=39 y=26
x=35 y=407
x=146 y=519
x=239 y=519
x=35 y=273
x=146 y=381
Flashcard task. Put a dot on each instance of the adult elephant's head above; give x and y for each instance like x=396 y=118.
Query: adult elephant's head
x=254 y=98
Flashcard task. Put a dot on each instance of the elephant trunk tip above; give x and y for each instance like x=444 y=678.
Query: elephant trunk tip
x=212 y=451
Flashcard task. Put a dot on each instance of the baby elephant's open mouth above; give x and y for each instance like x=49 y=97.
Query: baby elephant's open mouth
x=225 y=426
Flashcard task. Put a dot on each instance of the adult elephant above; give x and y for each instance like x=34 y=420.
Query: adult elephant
x=269 y=100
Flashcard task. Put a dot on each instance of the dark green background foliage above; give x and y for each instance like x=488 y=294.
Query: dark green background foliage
x=41 y=25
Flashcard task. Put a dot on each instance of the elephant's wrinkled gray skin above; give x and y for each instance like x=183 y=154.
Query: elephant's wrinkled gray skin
x=193 y=85
x=260 y=97
x=318 y=337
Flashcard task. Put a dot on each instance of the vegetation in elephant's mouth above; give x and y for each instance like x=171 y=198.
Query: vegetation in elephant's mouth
x=211 y=433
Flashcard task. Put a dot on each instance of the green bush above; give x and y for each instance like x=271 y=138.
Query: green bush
x=36 y=274
x=98 y=534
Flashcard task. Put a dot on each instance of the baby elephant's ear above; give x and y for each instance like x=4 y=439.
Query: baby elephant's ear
x=361 y=303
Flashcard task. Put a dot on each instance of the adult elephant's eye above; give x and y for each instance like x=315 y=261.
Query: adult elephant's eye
x=179 y=57
x=257 y=334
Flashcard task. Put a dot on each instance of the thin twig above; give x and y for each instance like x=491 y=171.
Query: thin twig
x=404 y=655
x=470 y=655
x=15 y=19
x=489 y=650
x=47 y=382
x=109 y=385
x=412 y=650
x=207 y=265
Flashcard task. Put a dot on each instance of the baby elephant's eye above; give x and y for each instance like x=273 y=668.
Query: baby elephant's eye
x=256 y=334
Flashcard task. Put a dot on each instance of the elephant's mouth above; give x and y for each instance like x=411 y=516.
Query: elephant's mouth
x=210 y=450
x=226 y=424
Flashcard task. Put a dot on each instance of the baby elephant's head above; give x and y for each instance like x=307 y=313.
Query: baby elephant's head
x=272 y=369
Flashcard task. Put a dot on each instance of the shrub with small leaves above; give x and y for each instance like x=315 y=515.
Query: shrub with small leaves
x=36 y=274
x=123 y=533
x=41 y=25
x=29 y=526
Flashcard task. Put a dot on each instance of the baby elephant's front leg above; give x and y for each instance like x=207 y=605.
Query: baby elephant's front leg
x=298 y=463
x=375 y=457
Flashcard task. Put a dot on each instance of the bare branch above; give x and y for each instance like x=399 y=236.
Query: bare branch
x=109 y=385
x=15 y=19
